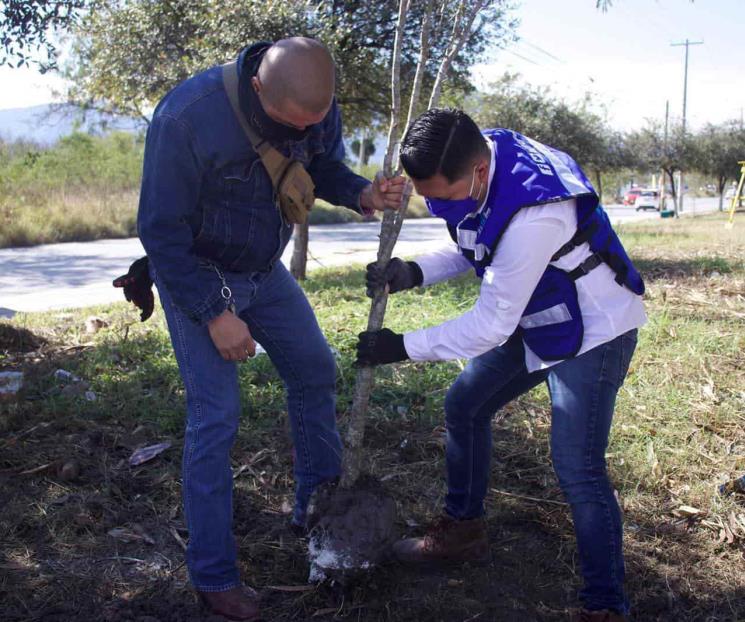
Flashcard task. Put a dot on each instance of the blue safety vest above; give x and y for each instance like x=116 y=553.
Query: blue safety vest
x=528 y=173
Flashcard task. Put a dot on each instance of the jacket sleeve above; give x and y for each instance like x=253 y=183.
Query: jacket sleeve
x=334 y=180
x=171 y=181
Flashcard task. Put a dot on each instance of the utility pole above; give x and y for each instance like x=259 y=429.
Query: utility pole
x=687 y=44
x=662 y=200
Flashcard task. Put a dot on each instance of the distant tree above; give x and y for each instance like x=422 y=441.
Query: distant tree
x=716 y=151
x=574 y=128
x=25 y=27
x=367 y=150
x=650 y=152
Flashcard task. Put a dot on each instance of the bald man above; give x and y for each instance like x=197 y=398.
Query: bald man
x=214 y=235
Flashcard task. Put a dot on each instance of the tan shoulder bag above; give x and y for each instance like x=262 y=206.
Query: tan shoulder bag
x=292 y=184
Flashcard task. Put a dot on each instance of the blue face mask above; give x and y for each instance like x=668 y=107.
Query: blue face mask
x=453 y=211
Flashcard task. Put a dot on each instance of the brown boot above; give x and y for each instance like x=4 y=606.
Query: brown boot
x=447 y=541
x=239 y=603
x=583 y=615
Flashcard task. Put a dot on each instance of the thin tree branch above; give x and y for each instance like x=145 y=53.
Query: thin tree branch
x=461 y=32
x=421 y=65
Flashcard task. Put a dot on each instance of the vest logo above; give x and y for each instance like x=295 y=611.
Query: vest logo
x=535 y=155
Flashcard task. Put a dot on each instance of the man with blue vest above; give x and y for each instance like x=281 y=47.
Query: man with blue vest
x=560 y=302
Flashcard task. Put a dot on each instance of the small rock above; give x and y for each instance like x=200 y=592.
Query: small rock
x=94 y=323
x=75 y=389
x=66 y=376
x=10 y=383
x=402 y=410
x=687 y=511
x=90 y=396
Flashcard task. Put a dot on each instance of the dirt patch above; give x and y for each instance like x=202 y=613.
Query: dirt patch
x=353 y=530
x=17 y=340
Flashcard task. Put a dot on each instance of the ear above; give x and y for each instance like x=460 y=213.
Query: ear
x=256 y=84
x=482 y=171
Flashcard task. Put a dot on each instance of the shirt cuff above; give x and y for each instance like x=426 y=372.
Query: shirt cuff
x=416 y=345
x=365 y=211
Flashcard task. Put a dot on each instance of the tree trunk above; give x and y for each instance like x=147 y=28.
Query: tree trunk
x=299 y=261
x=671 y=176
x=599 y=179
x=721 y=183
x=391 y=225
x=392 y=220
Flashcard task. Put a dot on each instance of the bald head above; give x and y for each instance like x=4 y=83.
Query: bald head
x=297 y=74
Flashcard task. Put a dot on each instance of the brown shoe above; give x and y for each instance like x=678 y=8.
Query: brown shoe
x=239 y=603
x=583 y=615
x=447 y=541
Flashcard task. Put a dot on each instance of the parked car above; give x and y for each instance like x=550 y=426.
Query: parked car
x=631 y=196
x=648 y=199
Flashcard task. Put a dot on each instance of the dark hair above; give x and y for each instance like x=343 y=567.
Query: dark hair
x=444 y=141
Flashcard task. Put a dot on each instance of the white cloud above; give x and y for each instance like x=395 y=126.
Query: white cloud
x=23 y=86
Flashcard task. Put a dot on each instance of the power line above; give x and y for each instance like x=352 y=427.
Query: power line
x=525 y=58
x=540 y=49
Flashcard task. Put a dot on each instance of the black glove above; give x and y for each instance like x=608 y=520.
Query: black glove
x=399 y=275
x=138 y=287
x=379 y=347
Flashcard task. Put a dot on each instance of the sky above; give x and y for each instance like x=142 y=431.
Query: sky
x=623 y=57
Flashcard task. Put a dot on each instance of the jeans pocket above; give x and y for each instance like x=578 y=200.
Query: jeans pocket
x=627 y=346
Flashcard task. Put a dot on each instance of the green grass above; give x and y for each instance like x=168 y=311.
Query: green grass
x=678 y=432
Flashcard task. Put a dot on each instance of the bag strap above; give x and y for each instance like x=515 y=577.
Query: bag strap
x=275 y=163
x=587 y=266
x=580 y=237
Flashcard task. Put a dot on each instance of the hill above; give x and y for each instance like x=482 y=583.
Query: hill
x=47 y=123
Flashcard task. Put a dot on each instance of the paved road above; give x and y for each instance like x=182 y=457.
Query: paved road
x=79 y=274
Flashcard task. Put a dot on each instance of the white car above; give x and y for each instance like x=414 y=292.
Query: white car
x=648 y=199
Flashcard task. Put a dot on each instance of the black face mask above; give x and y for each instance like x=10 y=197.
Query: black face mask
x=268 y=128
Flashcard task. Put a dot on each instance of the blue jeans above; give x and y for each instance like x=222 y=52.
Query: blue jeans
x=281 y=320
x=583 y=394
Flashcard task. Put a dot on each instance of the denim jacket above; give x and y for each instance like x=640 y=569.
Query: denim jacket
x=205 y=193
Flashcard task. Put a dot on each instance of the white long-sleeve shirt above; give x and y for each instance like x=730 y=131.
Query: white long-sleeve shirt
x=527 y=245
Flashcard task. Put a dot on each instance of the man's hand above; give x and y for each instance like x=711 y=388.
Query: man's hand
x=231 y=337
x=138 y=287
x=398 y=275
x=378 y=347
x=384 y=193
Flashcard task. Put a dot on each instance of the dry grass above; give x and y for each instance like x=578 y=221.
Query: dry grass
x=73 y=217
